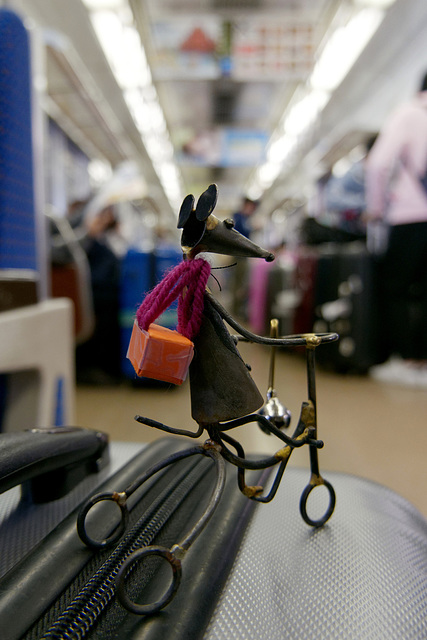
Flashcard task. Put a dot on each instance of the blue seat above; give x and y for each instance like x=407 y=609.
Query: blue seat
x=29 y=322
x=18 y=243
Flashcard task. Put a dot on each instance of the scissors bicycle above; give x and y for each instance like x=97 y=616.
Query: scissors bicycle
x=223 y=397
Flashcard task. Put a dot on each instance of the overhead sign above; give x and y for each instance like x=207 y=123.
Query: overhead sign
x=226 y=147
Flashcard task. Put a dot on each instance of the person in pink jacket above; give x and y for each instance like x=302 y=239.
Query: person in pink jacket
x=395 y=193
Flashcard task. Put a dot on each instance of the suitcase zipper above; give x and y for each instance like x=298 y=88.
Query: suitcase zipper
x=80 y=615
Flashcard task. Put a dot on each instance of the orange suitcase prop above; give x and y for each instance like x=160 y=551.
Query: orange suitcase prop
x=160 y=353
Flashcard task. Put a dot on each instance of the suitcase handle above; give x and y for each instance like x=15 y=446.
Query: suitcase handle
x=49 y=462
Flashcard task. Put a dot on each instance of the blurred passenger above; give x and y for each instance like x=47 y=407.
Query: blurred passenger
x=242 y=217
x=345 y=196
x=59 y=251
x=86 y=229
x=395 y=193
x=98 y=359
x=239 y=280
x=341 y=214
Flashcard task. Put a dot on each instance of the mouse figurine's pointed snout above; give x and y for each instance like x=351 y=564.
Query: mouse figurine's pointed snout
x=221 y=237
x=204 y=232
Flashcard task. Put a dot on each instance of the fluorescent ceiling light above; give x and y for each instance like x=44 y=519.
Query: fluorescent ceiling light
x=108 y=28
x=120 y=40
x=139 y=109
x=305 y=112
x=281 y=148
x=169 y=172
x=377 y=4
x=267 y=173
x=122 y=47
x=156 y=116
x=97 y=5
x=343 y=48
x=154 y=147
x=132 y=65
x=255 y=192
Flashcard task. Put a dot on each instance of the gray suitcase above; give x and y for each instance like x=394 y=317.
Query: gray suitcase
x=255 y=572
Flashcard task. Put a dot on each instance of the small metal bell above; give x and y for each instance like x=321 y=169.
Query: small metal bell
x=275 y=412
x=273 y=409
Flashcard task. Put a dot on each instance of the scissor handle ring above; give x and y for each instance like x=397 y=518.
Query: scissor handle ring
x=154 y=607
x=117 y=533
x=304 y=498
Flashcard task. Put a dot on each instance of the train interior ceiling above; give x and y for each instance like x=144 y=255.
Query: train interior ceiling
x=258 y=96
x=144 y=101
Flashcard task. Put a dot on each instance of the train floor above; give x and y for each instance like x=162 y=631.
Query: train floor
x=370 y=429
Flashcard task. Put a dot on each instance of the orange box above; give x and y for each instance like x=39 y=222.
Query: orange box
x=160 y=353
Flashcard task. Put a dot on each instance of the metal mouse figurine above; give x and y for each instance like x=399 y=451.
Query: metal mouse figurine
x=223 y=393
x=224 y=396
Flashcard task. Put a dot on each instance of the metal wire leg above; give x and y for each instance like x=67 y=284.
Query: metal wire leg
x=174 y=555
x=253 y=492
x=163 y=427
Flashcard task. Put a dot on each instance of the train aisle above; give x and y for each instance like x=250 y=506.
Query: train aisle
x=370 y=429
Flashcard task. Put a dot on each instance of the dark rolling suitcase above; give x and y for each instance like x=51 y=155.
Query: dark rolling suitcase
x=255 y=572
x=346 y=301
x=305 y=279
x=140 y=272
x=282 y=295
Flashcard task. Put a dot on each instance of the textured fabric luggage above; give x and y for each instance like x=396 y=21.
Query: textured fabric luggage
x=256 y=572
x=363 y=576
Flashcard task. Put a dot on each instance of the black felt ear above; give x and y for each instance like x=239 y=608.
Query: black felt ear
x=185 y=210
x=206 y=203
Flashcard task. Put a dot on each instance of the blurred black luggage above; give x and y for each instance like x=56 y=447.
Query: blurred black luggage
x=346 y=301
x=282 y=295
x=305 y=282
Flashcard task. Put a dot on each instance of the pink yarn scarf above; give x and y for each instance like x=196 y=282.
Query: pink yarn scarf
x=191 y=275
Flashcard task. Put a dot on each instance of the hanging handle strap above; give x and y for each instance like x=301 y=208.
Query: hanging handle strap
x=189 y=279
